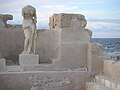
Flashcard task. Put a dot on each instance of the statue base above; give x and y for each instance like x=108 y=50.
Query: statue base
x=28 y=59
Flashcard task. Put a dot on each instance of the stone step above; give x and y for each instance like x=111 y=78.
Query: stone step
x=14 y=68
x=49 y=67
x=96 y=86
x=111 y=83
x=38 y=67
x=112 y=69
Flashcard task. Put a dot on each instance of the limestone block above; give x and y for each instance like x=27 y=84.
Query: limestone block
x=2 y=64
x=77 y=35
x=97 y=78
x=107 y=83
x=78 y=21
x=11 y=44
x=3 y=20
x=95 y=58
x=112 y=68
x=51 y=22
x=73 y=55
x=48 y=44
x=118 y=87
x=95 y=64
x=66 y=20
x=103 y=81
x=14 y=68
x=28 y=59
x=74 y=31
x=48 y=35
x=95 y=86
x=38 y=67
x=57 y=21
x=63 y=20
x=111 y=83
x=48 y=51
x=96 y=48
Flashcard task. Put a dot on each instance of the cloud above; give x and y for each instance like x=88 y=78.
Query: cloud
x=54 y=2
x=48 y=10
x=105 y=20
x=48 y=2
x=104 y=29
x=18 y=4
x=44 y=12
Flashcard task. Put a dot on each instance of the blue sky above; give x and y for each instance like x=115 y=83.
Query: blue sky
x=103 y=16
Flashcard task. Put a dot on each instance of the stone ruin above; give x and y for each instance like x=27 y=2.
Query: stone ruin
x=3 y=20
x=64 y=59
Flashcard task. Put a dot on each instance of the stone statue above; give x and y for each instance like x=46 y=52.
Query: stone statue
x=29 y=28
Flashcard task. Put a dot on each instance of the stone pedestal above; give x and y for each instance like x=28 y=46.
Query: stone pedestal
x=28 y=59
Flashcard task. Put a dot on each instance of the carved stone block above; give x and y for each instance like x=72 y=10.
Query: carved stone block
x=63 y=20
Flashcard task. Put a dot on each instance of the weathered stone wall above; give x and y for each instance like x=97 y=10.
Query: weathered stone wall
x=48 y=44
x=12 y=42
x=95 y=58
x=42 y=80
x=73 y=55
x=78 y=35
x=112 y=69
x=74 y=48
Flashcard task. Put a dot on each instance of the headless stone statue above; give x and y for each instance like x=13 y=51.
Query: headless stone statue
x=29 y=28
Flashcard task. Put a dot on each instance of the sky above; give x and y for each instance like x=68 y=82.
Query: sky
x=103 y=16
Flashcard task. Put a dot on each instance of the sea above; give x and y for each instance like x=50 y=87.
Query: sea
x=110 y=45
